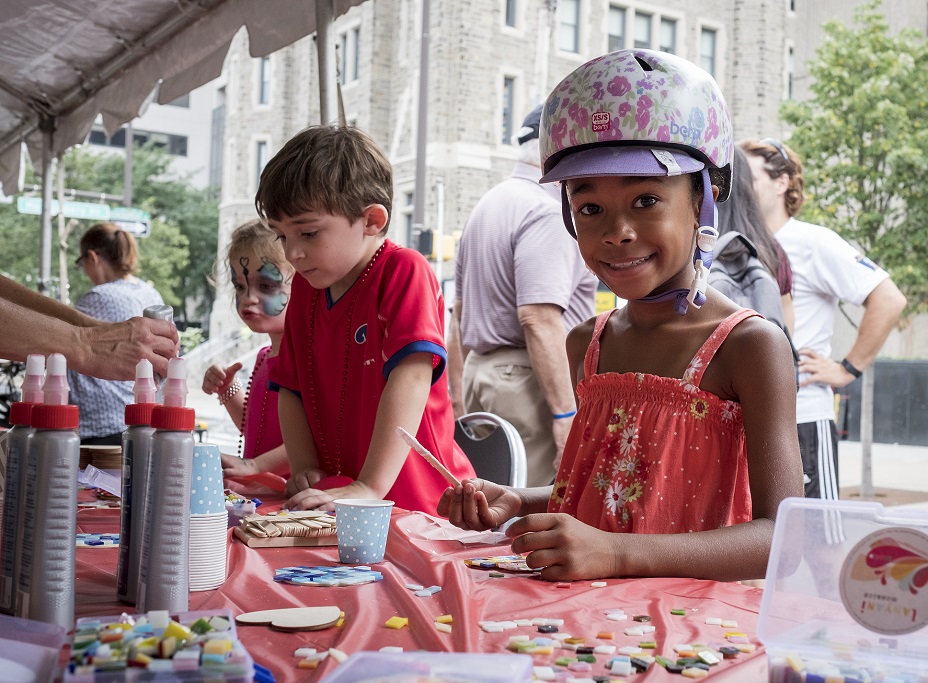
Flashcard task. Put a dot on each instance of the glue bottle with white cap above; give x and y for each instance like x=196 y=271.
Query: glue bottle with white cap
x=163 y=570
x=136 y=466
x=17 y=444
x=46 y=578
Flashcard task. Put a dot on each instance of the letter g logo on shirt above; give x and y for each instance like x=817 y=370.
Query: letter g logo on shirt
x=360 y=334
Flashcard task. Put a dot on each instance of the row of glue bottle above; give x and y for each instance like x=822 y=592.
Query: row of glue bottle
x=37 y=545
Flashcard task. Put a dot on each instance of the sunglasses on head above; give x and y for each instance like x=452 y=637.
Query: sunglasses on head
x=773 y=142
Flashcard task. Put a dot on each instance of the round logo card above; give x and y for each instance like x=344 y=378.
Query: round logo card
x=884 y=581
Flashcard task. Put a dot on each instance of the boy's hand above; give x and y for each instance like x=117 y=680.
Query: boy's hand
x=217 y=378
x=479 y=504
x=233 y=466
x=565 y=548
x=304 y=479
x=316 y=499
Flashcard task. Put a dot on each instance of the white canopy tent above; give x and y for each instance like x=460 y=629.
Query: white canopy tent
x=63 y=62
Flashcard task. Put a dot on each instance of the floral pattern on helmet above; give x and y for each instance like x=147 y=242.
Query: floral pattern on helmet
x=614 y=98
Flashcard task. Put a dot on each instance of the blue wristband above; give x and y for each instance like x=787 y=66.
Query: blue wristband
x=561 y=416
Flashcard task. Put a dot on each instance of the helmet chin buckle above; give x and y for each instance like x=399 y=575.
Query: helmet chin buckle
x=697 y=293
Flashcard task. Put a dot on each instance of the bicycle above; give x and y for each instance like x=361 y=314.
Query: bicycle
x=11 y=379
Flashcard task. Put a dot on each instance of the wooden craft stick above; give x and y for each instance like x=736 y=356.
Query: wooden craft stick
x=432 y=460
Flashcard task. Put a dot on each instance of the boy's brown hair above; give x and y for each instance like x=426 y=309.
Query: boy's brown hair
x=336 y=169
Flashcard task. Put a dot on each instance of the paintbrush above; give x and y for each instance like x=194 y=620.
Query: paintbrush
x=423 y=451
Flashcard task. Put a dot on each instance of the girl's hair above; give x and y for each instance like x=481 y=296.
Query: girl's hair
x=742 y=213
x=257 y=237
x=780 y=159
x=113 y=244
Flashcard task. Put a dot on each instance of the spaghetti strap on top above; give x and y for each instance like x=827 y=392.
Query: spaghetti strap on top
x=650 y=454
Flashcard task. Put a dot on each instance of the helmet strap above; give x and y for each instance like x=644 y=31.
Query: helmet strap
x=702 y=256
x=565 y=211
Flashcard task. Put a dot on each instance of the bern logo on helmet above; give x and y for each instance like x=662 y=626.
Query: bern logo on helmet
x=360 y=334
x=690 y=134
x=600 y=121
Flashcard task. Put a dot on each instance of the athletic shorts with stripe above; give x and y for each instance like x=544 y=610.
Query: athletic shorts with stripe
x=818 y=444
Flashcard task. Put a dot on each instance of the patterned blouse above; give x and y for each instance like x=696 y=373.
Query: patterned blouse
x=103 y=402
x=654 y=455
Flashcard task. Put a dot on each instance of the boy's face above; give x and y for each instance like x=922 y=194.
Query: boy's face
x=330 y=251
x=636 y=233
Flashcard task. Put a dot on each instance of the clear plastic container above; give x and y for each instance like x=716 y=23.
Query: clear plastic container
x=846 y=596
x=241 y=672
x=445 y=666
x=29 y=650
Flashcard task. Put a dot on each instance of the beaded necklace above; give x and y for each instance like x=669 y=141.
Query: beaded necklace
x=323 y=448
x=241 y=435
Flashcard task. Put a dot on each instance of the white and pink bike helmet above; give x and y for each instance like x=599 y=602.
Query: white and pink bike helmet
x=645 y=113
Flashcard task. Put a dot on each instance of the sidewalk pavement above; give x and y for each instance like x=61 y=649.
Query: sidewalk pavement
x=900 y=473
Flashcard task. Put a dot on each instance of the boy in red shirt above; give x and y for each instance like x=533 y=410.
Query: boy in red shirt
x=363 y=349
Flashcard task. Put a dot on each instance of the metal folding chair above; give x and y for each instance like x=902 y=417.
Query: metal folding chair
x=494 y=447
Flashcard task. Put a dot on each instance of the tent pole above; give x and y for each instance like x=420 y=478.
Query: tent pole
x=325 y=53
x=47 y=126
x=418 y=210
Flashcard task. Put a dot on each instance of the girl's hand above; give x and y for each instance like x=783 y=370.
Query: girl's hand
x=217 y=378
x=479 y=504
x=565 y=548
x=233 y=466
x=304 y=479
x=316 y=499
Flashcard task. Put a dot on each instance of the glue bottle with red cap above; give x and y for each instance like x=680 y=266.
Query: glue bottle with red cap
x=46 y=578
x=136 y=467
x=17 y=444
x=163 y=569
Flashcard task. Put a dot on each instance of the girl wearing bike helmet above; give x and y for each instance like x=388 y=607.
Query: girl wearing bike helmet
x=683 y=445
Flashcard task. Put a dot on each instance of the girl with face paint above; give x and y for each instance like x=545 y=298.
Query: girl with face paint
x=261 y=279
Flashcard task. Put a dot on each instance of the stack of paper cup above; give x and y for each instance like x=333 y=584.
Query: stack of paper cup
x=208 y=520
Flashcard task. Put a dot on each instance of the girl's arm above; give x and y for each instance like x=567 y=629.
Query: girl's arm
x=401 y=404
x=758 y=360
x=274 y=460
x=217 y=380
x=299 y=446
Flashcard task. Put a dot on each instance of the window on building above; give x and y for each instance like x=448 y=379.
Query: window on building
x=569 y=20
x=264 y=81
x=510 y=12
x=642 y=30
x=668 y=36
x=217 y=132
x=356 y=34
x=509 y=87
x=348 y=55
x=407 y=212
x=260 y=160
x=789 y=73
x=616 y=28
x=175 y=145
x=182 y=101
x=707 y=48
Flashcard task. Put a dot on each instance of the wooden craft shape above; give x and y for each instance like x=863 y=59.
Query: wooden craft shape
x=293 y=618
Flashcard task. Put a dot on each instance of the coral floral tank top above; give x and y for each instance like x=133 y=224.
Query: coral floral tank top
x=654 y=455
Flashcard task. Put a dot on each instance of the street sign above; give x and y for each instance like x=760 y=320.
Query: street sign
x=133 y=220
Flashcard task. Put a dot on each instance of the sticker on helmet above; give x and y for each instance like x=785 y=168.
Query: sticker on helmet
x=667 y=161
x=600 y=121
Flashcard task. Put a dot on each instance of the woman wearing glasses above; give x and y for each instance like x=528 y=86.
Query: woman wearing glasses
x=109 y=257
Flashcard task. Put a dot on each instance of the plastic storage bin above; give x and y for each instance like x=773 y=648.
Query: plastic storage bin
x=846 y=597
x=241 y=672
x=29 y=650
x=444 y=666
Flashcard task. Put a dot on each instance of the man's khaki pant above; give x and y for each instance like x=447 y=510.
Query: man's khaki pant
x=503 y=382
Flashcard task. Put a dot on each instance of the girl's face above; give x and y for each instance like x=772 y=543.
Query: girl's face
x=636 y=234
x=262 y=290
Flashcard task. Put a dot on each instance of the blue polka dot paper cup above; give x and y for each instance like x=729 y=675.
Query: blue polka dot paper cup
x=362 y=526
x=206 y=487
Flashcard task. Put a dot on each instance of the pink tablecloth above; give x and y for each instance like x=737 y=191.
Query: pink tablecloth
x=427 y=551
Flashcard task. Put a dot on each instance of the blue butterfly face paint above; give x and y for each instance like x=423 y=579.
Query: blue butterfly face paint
x=260 y=294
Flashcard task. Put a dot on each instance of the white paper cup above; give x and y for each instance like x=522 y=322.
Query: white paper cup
x=362 y=526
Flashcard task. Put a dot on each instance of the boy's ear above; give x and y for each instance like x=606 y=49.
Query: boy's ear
x=375 y=219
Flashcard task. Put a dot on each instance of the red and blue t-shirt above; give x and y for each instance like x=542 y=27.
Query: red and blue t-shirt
x=398 y=311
